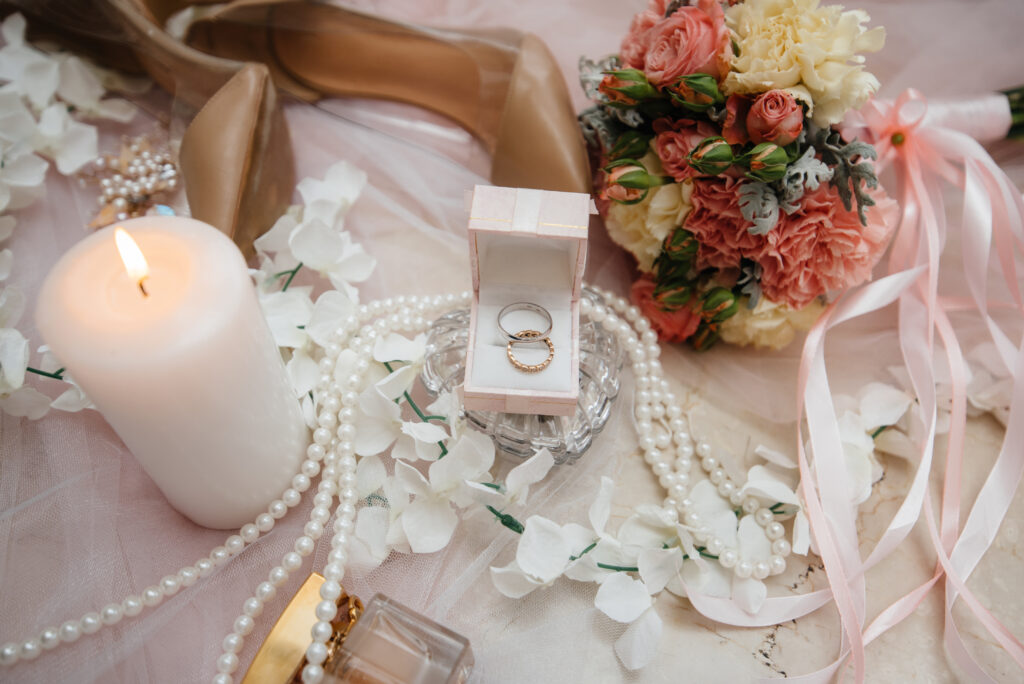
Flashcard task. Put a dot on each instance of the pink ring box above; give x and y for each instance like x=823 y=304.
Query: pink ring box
x=525 y=245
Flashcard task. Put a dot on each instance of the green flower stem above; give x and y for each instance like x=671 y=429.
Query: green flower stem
x=618 y=568
x=880 y=430
x=291 y=276
x=506 y=520
x=584 y=552
x=422 y=416
x=56 y=375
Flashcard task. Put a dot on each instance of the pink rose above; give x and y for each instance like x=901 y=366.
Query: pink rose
x=634 y=44
x=823 y=247
x=674 y=142
x=671 y=326
x=693 y=40
x=734 y=128
x=718 y=224
x=775 y=117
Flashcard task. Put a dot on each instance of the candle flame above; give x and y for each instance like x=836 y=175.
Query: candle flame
x=134 y=262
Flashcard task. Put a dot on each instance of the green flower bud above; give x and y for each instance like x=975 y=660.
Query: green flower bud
x=718 y=304
x=712 y=156
x=630 y=144
x=696 y=92
x=627 y=181
x=627 y=87
x=680 y=245
x=767 y=162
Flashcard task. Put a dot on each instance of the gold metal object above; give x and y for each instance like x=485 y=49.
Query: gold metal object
x=531 y=336
x=283 y=654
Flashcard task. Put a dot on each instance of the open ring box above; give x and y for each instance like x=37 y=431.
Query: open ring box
x=525 y=245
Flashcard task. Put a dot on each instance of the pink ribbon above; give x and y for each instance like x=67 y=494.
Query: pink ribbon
x=927 y=147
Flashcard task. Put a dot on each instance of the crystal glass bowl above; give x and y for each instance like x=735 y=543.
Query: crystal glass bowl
x=520 y=435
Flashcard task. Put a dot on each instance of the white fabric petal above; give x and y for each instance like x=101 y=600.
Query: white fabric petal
x=749 y=594
x=39 y=79
x=429 y=524
x=645 y=528
x=27 y=402
x=331 y=308
x=116 y=109
x=396 y=383
x=316 y=245
x=585 y=569
x=425 y=432
x=710 y=579
x=396 y=347
x=13 y=30
x=763 y=484
x=715 y=511
x=639 y=643
x=601 y=508
x=72 y=400
x=622 y=598
x=405 y=449
x=303 y=372
x=543 y=550
x=78 y=85
x=751 y=540
x=285 y=312
x=355 y=266
x=372 y=529
x=78 y=146
x=370 y=475
x=276 y=239
x=16 y=121
x=412 y=480
x=882 y=404
x=530 y=471
x=14 y=352
x=801 y=534
x=511 y=581
x=374 y=435
x=658 y=566
x=773 y=456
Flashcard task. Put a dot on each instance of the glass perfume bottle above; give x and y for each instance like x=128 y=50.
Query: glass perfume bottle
x=391 y=644
x=383 y=643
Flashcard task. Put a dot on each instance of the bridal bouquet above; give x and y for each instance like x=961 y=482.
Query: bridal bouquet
x=720 y=167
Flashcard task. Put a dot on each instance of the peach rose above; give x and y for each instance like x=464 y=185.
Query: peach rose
x=674 y=142
x=823 y=247
x=671 y=326
x=614 y=191
x=718 y=224
x=634 y=45
x=734 y=128
x=775 y=117
x=692 y=40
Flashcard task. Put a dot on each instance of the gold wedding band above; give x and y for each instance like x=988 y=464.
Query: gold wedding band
x=528 y=337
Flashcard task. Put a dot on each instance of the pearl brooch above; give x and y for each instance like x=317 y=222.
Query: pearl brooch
x=132 y=181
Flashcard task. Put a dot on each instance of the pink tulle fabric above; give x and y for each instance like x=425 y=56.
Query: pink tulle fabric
x=81 y=524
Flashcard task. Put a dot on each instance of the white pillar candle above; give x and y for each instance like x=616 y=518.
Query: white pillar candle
x=187 y=374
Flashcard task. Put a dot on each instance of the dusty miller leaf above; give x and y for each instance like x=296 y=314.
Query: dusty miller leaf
x=759 y=205
x=852 y=176
x=806 y=173
x=750 y=282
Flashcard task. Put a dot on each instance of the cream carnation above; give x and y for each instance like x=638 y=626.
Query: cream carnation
x=811 y=51
x=768 y=325
x=641 y=228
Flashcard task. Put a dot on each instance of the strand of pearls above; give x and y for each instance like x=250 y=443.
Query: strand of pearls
x=669 y=449
x=336 y=400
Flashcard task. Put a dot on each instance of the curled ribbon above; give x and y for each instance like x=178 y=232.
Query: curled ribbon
x=926 y=150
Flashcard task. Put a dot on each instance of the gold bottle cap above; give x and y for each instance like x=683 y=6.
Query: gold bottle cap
x=283 y=654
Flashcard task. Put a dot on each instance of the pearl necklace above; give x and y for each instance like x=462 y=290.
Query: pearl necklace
x=661 y=430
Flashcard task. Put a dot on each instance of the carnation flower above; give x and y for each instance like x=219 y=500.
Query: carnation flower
x=642 y=227
x=768 y=325
x=718 y=224
x=809 y=50
x=822 y=246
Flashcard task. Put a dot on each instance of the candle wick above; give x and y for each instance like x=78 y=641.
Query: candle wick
x=142 y=288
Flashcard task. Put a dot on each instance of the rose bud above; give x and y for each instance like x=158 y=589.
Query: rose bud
x=680 y=245
x=767 y=162
x=627 y=181
x=775 y=117
x=718 y=304
x=712 y=156
x=696 y=92
x=626 y=87
x=673 y=297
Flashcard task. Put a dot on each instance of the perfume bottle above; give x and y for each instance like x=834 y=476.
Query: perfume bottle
x=383 y=643
x=391 y=644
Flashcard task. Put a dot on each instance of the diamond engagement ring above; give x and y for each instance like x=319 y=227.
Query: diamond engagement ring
x=527 y=337
x=519 y=336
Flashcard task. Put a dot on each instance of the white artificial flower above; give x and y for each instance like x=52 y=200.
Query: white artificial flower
x=449 y=405
x=639 y=643
x=13 y=359
x=772 y=488
x=332 y=254
x=329 y=311
x=517 y=483
x=21 y=175
x=72 y=144
x=396 y=348
x=80 y=86
x=28 y=71
x=275 y=240
x=429 y=521
x=302 y=371
x=328 y=200
x=72 y=399
x=544 y=552
x=379 y=424
x=287 y=313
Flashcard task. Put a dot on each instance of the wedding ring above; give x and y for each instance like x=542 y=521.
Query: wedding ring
x=527 y=337
x=524 y=306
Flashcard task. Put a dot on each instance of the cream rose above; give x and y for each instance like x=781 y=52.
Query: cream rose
x=811 y=51
x=768 y=325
